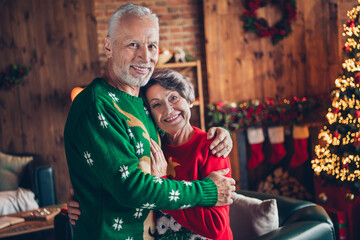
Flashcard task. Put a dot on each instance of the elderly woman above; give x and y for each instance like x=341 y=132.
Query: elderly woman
x=170 y=96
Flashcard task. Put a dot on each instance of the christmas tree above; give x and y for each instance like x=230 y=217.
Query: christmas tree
x=337 y=155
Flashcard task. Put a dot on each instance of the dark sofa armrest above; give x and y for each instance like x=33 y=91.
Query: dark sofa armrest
x=44 y=181
x=309 y=230
x=27 y=178
x=297 y=219
x=309 y=213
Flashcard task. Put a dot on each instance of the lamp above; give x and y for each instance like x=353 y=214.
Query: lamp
x=75 y=92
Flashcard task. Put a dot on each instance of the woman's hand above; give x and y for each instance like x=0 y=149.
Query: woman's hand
x=225 y=186
x=222 y=144
x=158 y=162
x=73 y=208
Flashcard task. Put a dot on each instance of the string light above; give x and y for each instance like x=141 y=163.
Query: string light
x=337 y=153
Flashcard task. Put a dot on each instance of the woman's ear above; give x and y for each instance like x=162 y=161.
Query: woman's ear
x=108 y=47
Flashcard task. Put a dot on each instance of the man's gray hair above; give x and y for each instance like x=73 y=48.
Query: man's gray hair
x=172 y=80
x=129 y=9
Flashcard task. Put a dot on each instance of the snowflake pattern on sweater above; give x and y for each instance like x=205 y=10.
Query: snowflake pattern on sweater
x=167 y=228
x=87 y=156
x=117 y=225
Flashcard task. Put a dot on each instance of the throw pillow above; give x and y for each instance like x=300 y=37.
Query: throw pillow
x=11 y=170
x=251 y=217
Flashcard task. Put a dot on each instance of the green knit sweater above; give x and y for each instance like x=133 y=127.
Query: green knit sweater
x=107 y=146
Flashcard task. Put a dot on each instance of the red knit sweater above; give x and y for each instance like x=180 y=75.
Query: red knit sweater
x=194 y=161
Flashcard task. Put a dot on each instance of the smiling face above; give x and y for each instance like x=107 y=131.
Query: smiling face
x=133 y=52
x=169 y=109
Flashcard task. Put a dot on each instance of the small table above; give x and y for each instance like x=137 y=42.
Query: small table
x=29 y=226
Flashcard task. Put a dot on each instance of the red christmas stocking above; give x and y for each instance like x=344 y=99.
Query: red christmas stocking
x=256 y=139
x=276 y=137
x=300 y=135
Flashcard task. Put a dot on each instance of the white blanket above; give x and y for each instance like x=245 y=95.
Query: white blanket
x=17 y=201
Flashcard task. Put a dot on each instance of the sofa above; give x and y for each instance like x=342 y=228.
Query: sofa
x=24 y=186
x=296 y=219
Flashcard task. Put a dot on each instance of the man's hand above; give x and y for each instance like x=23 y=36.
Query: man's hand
x=225 y=186
x=73 y=208
x=158 y=162
x=222 y=144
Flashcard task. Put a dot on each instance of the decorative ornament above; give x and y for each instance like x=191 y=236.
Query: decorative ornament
x=179 y=55
x=276 y=138
x=357 y=140
x=268 y=112
x=13 y=76
x=346 y=48
x=335 y=94
x=350 y=196
x=357 y=78
x=300 y=135
x=336 y=134
x=260 y=26
x=164 y=56
x=336 y=110
x=357 y=58
x=357 y=113
x=323 y=198
x=256 y=138
x=350 y=23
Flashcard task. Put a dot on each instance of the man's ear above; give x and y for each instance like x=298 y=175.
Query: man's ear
x=108 y=47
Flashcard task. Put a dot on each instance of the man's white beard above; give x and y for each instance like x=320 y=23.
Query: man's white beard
x=138 y=81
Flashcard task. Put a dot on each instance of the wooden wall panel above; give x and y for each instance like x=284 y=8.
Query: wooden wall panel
x=57 y=38
x=241 y=66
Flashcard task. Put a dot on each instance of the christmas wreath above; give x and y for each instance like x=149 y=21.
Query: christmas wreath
x=260 y=26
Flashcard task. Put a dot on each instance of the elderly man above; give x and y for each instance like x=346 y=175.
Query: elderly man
x=107 y=142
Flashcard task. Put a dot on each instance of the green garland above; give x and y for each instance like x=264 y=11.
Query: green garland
x=260 y=26
x=267 y=112
x=13 y=76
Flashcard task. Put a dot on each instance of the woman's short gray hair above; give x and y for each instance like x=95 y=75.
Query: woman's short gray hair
x=126 y=9
x=172 y=80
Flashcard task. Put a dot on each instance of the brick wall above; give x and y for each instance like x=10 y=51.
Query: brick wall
x=181 y=23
